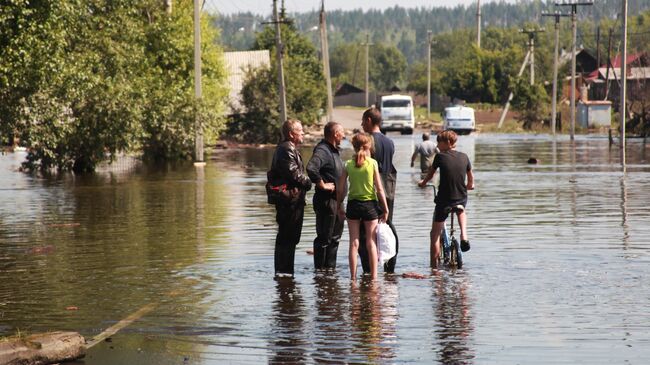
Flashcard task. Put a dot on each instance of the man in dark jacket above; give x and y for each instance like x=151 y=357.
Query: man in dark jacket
x=287 y=168
x=324 y=169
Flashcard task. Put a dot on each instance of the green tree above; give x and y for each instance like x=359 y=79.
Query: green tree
x=347 y=64
x=169 y=115
x=387 y=66
x=531 y=101
x=80 y=89
x=479 y=75
x=305 y=88
x=417 y=79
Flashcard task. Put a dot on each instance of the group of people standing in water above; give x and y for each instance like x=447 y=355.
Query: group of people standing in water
x=368 y=180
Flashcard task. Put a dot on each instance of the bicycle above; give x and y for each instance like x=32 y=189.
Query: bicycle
x=450 y=251
x=449 y=246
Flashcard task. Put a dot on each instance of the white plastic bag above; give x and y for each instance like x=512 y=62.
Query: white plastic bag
x=385 y=243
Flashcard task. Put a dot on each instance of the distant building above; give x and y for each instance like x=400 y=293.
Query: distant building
x=594 y=113
x=346 y=89
x=585 y=64
x=236 y=65
x=350 y=95
x=604 y=82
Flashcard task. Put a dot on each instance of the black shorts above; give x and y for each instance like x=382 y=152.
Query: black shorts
x=441 y=212
x=367 y=210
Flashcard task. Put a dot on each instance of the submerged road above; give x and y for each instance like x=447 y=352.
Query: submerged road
x=557 y=272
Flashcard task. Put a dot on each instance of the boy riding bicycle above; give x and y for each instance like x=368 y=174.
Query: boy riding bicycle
x=454 y=168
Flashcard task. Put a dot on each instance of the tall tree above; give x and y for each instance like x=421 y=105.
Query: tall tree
x=80 y=89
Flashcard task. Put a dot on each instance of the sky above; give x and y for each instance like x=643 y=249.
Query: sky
x=264 y=6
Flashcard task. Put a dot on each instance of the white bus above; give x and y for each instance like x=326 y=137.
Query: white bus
x=397 y=114
x=459 y=119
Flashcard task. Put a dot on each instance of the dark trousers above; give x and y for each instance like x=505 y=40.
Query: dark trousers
x=289 y=219
x=329 y=228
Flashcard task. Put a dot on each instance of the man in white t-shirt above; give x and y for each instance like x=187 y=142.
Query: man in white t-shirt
x=427 y=151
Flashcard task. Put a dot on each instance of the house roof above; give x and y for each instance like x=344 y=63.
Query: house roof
x=616 y=62
x=346 y=88
x=236 y=65
x=566 y=56
x=633 y=73
x=595 y=102
x=585 y=61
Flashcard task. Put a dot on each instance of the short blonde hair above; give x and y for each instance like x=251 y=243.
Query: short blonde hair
x=289 y=126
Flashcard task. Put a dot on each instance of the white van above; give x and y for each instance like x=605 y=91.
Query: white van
x=459 y=119
x=397 y=114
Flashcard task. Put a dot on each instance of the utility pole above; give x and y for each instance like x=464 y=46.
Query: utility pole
x=507 y=106
x=478 y=23
x=429 y=33
x=279 y=52
x=622 y=107
x=367 y=44
x=326 y=62
x=198 y=127
x=531 y=49
x=574 y=11
x=609 y=62
x=557 y=15
x=598 y=46
x=168 y=6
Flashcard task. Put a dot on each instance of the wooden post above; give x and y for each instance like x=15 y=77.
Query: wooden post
x=198 y=137
x=623 y=105
x=429 y=75
x=557 y=16
x=47 y=348
x=326 y=62
x=279 y=53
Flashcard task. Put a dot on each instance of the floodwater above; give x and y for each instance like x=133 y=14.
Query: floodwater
x=558 y=270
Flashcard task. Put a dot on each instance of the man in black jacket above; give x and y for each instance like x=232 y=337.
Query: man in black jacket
x=287 y=168
x=324 y=169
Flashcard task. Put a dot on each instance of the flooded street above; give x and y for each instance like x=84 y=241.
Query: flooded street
x=558 y=270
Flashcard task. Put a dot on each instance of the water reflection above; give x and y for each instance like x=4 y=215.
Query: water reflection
x=373 y=315
x=200 y=245
x=330 y=323
x=467 y=145
x=200 y=211
x=624 y=223
x=289 y=344
x=454 y=322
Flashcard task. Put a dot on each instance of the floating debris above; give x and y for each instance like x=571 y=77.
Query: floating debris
x=414 y=275
x=533 y=161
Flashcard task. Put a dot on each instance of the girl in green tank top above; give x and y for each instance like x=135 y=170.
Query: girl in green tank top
x=364 y=190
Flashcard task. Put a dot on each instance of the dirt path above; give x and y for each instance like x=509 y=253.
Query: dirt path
x=349 y=118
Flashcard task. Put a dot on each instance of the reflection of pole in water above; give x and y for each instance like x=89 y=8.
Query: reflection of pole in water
x=200 y=210
x=554 y=155
x=289 y=344
x=574 y=182
x=624 y=223
x=454 y=319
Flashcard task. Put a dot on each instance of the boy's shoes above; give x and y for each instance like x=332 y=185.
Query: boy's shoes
x=464 y=245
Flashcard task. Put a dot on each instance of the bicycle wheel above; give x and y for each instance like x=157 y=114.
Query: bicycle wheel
x=458 y=254
x=455 y=259
x=445 y=246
